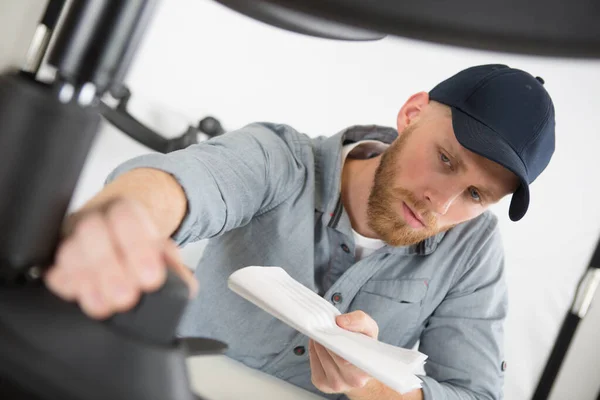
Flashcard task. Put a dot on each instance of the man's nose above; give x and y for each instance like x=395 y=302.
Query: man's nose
x=440 y=199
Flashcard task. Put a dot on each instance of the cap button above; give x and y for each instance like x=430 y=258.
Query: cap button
x=540 y=80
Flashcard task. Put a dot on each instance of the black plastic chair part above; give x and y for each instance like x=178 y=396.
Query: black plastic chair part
x=537 y=27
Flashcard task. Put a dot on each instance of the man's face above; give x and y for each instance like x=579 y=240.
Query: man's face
x=427 y=182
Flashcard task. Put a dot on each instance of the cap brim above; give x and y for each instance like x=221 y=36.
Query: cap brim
x=481 y=139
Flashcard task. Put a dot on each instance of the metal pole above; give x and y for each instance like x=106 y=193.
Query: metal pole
x=586 y=290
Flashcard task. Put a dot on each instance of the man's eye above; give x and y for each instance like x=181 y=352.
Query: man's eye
x=474 y=194
x=444 y=158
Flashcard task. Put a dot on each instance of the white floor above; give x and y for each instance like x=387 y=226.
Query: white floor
x=221 y=378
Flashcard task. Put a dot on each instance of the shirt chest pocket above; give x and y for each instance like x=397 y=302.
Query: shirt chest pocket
x=395 y=305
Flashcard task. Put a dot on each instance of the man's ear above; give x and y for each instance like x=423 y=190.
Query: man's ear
x=411 y=110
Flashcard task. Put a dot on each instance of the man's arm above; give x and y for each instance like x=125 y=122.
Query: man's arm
x=157 y=192
x=375 y=390
x=231 y=178
x=121 y=242
x=464 y=336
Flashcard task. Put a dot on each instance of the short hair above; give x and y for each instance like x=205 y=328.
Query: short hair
x=442 y=107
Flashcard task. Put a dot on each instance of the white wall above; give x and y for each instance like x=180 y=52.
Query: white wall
x=18 y=20
x=200 y=58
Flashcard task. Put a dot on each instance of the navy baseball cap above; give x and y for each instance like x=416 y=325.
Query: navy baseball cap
x=505 y=115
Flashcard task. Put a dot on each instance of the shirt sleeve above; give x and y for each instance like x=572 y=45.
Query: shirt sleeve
x=464 y=336
x=229 y=179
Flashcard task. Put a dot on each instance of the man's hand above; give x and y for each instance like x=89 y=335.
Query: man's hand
x=110 y=257
x=330 y=372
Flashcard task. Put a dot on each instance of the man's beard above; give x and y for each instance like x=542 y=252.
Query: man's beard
x=384 y=212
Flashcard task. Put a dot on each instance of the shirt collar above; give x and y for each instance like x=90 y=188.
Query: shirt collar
x=329 y=160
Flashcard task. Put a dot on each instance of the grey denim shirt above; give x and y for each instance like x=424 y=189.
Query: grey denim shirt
x=269 y=195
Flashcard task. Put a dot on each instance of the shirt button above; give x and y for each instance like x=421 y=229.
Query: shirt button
x=336 y=298
x=503 y=366
x=299 y=350
x=345 y=248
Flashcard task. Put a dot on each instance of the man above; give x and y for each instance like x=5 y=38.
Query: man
x=389 y=225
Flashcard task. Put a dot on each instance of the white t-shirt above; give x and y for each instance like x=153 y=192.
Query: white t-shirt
x=364 y=149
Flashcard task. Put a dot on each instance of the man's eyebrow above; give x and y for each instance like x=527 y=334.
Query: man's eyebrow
x=487 y=193
x=459 y=155
x=453 y=152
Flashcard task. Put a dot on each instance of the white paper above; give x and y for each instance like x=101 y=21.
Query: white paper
x=273 y=290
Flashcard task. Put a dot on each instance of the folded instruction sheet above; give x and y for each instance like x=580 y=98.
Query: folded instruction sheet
x=276 y=292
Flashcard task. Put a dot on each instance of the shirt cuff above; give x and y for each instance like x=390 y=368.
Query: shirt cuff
x=432 y=389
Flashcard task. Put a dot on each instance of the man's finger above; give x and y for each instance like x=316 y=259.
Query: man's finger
x=138 y=244
x=91 y=298
x=351 y=374
x=318 y=377
x=340 y=362
x=360 y=322
x=62 y=281
x=116 y=284
x=173 y=260
x=335 y=381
